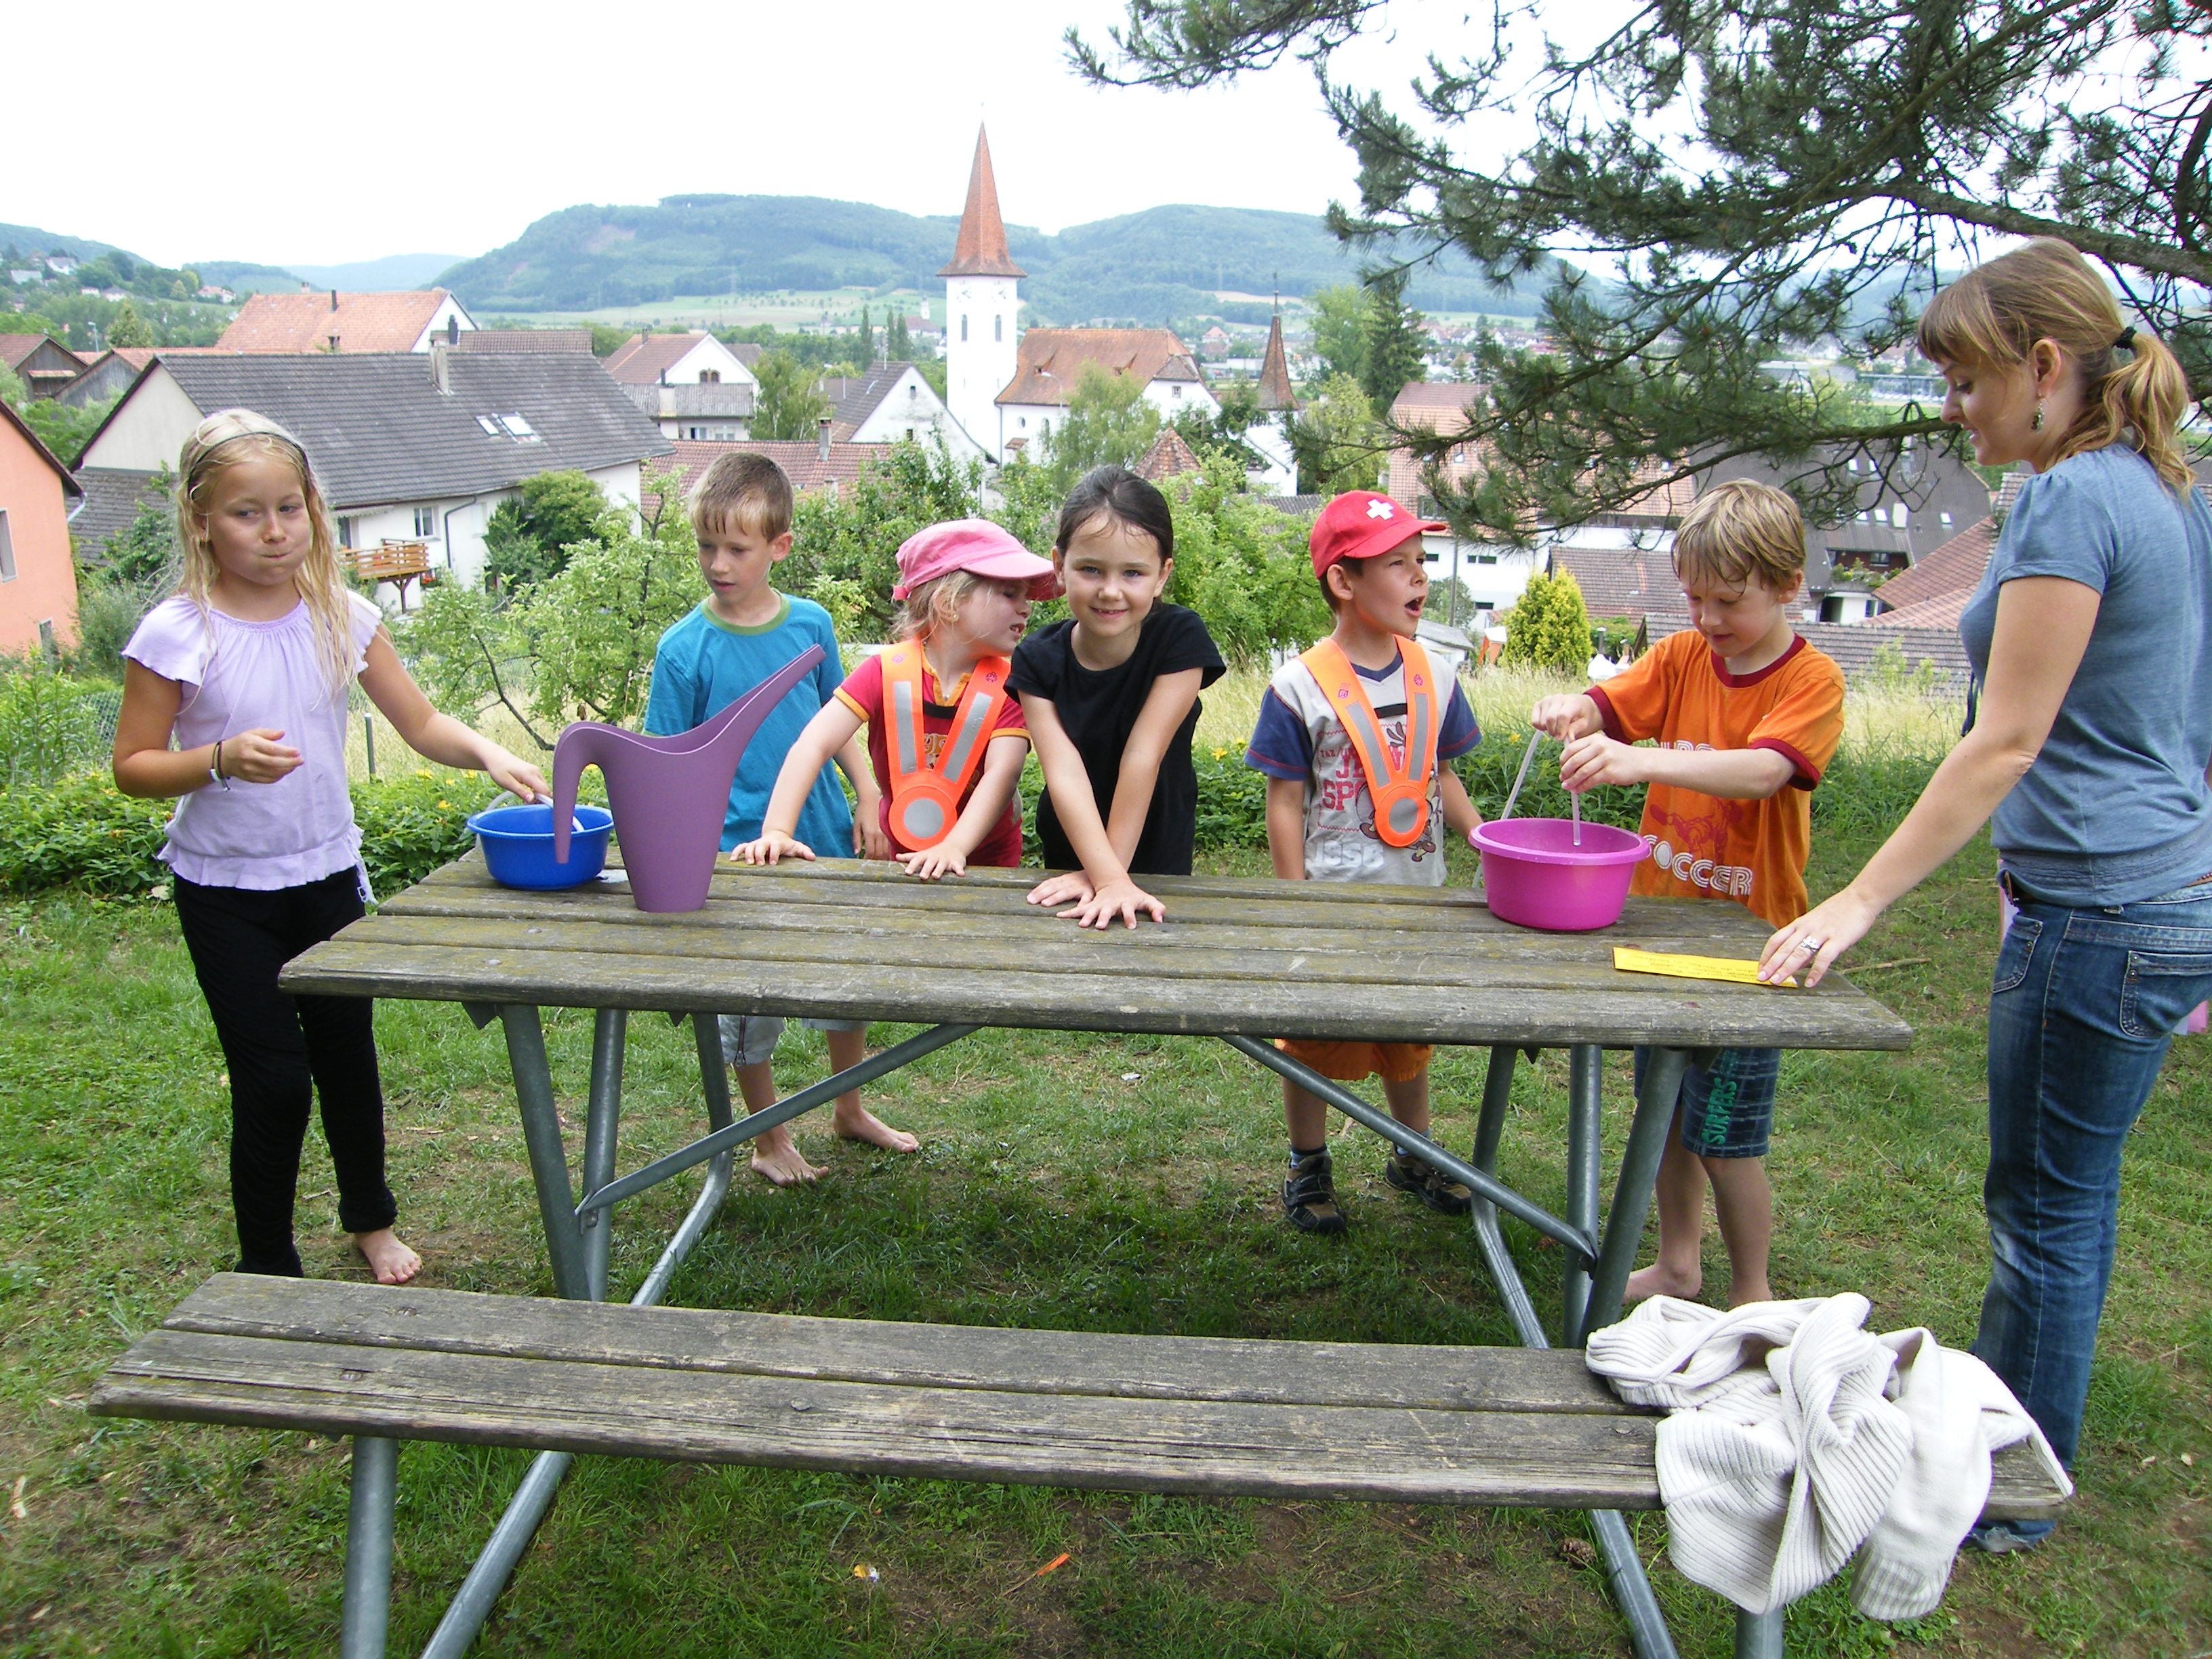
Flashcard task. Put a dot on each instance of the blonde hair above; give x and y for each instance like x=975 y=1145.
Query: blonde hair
x=224 y=438
x=936 y=603
x=1742 y=529
x=1992 y=316
x=744 y=490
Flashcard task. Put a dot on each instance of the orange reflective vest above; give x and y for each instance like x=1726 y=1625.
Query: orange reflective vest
x=925 y=797
x=1400 y=785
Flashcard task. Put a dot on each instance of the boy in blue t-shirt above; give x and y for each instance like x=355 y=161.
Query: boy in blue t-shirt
x=740 y=634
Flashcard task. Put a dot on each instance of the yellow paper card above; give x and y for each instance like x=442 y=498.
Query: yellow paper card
x=1729 y=969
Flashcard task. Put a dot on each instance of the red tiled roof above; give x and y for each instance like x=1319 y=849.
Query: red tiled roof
x=137 y=356
x=643 y=359
x=1168 y=456
x=981 y=248
x=305 y=322
x=1051 y=360
x=800 y=460
x=1941 y=612
x=1953 y=567
x=1275 y=389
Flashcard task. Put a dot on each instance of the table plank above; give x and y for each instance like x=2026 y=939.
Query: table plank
x=1252 y=956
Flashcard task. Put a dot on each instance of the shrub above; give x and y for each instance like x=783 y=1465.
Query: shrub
x=1549 y=627
x=50 y=724
x=81 y=832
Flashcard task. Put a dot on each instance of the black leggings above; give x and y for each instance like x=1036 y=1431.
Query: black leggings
x=283 y=1048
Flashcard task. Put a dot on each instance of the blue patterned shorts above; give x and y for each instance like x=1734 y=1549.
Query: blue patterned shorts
x=1726 y=1110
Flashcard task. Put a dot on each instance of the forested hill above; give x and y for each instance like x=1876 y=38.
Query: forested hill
x=1152 y=267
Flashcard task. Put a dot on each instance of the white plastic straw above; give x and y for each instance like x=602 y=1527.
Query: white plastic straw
x=1575 y=802
x=1521 y=777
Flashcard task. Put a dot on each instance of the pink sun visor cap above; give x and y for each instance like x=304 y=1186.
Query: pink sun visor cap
x=974 y=545
x=1359 y=525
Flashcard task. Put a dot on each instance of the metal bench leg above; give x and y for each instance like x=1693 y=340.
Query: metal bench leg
x=1758 y=1635
x=601 y=1130
x=1585 y=1118
x=1631 y=1191
x=369 y=1548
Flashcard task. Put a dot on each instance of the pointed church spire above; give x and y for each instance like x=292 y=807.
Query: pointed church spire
x=982 y=250
x=1275 y=390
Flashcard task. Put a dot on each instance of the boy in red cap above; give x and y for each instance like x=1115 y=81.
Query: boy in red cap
x=1354 y=737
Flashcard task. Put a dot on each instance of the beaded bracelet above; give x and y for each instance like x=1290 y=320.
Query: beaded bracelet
x=215 y=767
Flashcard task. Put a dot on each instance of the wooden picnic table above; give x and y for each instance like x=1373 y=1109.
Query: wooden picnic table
x=1243 y=959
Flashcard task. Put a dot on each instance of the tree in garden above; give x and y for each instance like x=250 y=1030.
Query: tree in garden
x=1335 y=439
x=1549 y=626
x=1242 y=565
x=845 y=544
x=1340 y=317
x=1109 y=421
x=1394 y=354
x=788 y=406
x=898 y=342
x=1749 y=178
x=865 y=345
x=527 y=536
x=128 y=328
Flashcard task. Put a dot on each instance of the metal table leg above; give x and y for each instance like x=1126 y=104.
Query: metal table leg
x=368 y=1548
x=601 y=1129
x=1585 y=1079
x=1758 y=1635
x=549 y=1162
x=1632 y=1190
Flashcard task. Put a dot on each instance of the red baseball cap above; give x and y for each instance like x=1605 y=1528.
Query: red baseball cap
x=1360 y=524
x=975 y=544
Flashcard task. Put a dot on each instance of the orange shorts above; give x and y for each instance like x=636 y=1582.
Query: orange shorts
x=1348 y=1062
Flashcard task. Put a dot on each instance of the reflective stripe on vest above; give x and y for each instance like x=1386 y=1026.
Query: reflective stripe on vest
x=1398 y=788
x=926 y=799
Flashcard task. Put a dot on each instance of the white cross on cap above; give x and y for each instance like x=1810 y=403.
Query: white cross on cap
x=1380 y=510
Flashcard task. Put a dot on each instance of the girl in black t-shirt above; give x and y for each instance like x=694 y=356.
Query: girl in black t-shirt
x=1111 y=699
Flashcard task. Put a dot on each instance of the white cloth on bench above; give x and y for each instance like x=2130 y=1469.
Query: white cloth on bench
x=1795 y=1438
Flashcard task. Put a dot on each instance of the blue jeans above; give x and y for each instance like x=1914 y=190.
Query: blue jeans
x=2083 y=1007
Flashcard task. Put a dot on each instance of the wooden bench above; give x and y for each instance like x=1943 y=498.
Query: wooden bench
x=1204 y=1417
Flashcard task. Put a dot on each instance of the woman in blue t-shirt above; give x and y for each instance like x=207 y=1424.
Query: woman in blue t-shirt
x=2091 y=637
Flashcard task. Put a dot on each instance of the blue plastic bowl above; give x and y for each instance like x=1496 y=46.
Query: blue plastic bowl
x=518 y=845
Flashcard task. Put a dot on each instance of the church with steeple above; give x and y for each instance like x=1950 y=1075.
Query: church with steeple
x=1009 y=388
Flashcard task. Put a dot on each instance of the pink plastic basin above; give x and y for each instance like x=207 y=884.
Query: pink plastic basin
x=1535 y=876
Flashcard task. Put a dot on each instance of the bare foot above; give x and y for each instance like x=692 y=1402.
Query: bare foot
x=1741 y=1294
x=1660 y=1280
x=863 y=1124
x=777 y=1161
x=392 y=1261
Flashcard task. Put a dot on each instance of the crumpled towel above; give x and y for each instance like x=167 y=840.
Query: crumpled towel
x=1795 y=1437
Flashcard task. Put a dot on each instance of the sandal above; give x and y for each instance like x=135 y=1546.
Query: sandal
x=1310 y=1196
x=1428 y=1183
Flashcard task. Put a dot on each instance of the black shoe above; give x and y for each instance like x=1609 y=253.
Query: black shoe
x=1428 y=1183
x=1309 y=1197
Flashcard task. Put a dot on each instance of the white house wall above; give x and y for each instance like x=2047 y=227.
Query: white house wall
x=449 y=311
x=978 y=368
x=456 y=538
x=1494 y=577
x=148 y=428
x=1171 y=397
x=1278 y=474
x=913 y=411
x=710 y=357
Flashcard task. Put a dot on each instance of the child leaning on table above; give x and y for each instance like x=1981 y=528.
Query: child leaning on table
x=1328 y=771
x=1746 y=715
x=741 y=633
x=1111 y=699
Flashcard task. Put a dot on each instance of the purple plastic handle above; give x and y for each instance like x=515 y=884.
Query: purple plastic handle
x=668 y=795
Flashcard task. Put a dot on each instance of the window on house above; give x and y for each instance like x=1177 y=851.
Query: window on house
x=963 y=327
x=1898 y=516
x=490 y=426
x=909 y=432
x=710 y=377
x=345 y=530
x=517 y=427
x=1943 y=519
x=7 y=551
x=998 y=328
x=426 y=521
x=46 y=636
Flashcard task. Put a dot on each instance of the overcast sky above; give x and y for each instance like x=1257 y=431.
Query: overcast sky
x=283 y=133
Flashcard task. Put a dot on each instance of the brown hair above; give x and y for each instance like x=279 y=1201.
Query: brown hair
x=746 y=489
x=936 y=602
x=1740 y=530
x=1992 y=316
x=224 y=438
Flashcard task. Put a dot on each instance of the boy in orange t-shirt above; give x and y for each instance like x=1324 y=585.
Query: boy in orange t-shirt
x=1746 y=715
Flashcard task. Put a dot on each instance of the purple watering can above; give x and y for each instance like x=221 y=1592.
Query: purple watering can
x=668 y=795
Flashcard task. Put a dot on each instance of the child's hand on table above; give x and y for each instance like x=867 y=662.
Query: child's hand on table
x=1123 y=898
x=929 y=866
x=870 y=839
x=1595 y=759
x=773 y=844
x=1071 y=887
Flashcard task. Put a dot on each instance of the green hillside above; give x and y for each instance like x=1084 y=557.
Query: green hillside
x=1162 y=264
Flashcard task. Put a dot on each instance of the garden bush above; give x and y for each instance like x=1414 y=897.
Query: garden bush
x=51 y=725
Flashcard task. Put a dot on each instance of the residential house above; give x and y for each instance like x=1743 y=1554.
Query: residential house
x=107 y=376
x=1004 y=385
x=823 y=463
x=113 y=499
x=889 y=403
x=40 y=361
x=691 y=385
x=1432 y=406
x=342 y=323
x=407 y=448
x=570 y=340
x=38 y=578
x=1169 y=456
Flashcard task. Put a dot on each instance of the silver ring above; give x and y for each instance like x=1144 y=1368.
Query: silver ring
x=1811 y=944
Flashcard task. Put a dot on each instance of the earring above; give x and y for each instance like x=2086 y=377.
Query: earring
x=2038 y=423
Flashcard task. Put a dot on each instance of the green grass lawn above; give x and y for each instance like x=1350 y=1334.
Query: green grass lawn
x=1122 y=1186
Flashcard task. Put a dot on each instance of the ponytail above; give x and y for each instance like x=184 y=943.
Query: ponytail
x=2133 y=389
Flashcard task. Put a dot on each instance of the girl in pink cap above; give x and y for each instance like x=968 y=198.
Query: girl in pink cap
x=945 y=736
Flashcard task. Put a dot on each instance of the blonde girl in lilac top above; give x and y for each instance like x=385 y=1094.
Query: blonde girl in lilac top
x=246 y=669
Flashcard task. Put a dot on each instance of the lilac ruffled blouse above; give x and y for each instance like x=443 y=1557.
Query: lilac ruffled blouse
x=244 y=675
